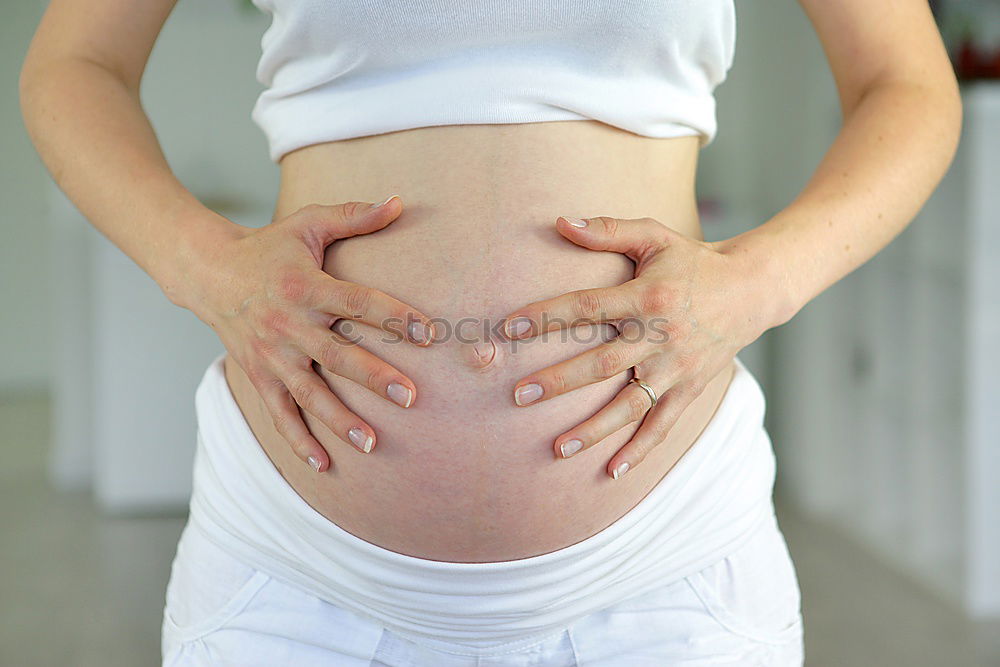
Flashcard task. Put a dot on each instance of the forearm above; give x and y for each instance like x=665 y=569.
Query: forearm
x=889 y=156
x=93 y=136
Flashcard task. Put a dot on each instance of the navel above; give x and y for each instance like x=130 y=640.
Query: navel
x=482 y=354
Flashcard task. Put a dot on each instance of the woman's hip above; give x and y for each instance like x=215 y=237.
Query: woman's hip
x=743 y=609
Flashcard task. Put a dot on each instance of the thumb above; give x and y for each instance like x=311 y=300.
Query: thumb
x=637 y=238
x=321 y=225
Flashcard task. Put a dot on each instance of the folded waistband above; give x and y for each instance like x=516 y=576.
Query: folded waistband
x=712 y=500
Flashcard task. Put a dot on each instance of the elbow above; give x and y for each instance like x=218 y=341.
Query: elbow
x=946 y=95
x=954 y=114
x=31 y=84
x=30 y=80
x=941 y=107
x=27 y=85
x=934 y=101
x=943 y=112
x=945 y=107
x=25 y=82
x=947 y=100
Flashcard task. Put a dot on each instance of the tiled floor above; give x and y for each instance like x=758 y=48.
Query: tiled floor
x=78 y=589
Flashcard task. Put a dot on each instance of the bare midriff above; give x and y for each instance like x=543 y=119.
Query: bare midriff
x=464 y=474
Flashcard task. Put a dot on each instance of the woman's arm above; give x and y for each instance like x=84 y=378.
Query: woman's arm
x=693 y=305
x=902 y=120
x=80 y=101
x=262 y=291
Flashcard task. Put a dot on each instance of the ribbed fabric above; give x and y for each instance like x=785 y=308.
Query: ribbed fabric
x=713 y=500
x=337 y=70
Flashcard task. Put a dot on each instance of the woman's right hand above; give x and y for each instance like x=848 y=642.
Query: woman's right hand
x=272 y=305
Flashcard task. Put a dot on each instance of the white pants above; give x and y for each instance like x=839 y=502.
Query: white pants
x=696 y=573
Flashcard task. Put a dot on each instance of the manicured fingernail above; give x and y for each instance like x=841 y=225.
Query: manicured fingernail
x=385 y=202
x=399 y=394
x=419 y=333
x=620 y=470
x=529 y=393
x=570 y=447
x=518 y=326
x=576 y=222
x=314 y=462
x=361 y=440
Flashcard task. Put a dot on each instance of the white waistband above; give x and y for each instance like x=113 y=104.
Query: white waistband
x=705 y=507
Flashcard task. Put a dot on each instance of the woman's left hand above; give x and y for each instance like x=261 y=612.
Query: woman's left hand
x=691 y=307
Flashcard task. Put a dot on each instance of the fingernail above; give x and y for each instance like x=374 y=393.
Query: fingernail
x=361 y=440
x=419 y=333
x=518 y=326
x=570 y=447
x=384 y=203
x=620 y=470
x=576 y=222
x=399 y=394
x=529 y=393
x=314 y=462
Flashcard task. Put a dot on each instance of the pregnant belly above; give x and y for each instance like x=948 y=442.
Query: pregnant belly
x=464 y=474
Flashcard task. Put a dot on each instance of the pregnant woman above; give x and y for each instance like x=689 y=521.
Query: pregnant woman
x=497 y=418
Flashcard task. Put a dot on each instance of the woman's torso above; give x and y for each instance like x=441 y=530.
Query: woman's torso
x=464 y=475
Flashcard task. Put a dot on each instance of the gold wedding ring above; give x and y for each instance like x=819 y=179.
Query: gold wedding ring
x=649 y=391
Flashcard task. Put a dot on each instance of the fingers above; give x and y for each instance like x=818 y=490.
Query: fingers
x=314 y=396
x=289 y=423
x=675 y=391
x=320 y=225
x=305 y=389
x=639 y=239
x=634 y=238
x=588 y=306
x=599 y=363
x=351 y=361
x=266 y=312
x=375 y=308
x=654 y=429
x=630 y=405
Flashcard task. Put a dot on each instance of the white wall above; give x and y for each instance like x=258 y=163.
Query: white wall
x=25 y=331
x=198 y=90
x=778 y=112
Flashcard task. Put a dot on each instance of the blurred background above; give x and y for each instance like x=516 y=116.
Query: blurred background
x=883 y=393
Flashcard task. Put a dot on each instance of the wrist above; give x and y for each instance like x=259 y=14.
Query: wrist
x=196 y=258
x=766 y=273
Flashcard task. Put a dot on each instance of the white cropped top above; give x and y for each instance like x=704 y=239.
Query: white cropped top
x=337 y=69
